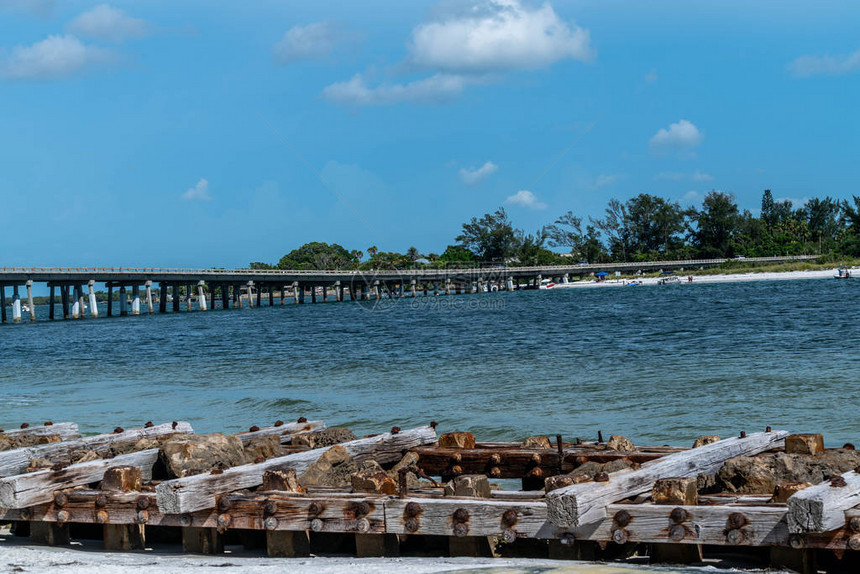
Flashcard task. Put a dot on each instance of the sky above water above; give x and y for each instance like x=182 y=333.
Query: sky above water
x=217 y=133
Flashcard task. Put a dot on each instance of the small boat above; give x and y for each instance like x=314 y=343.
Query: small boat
x=668 y=278
x=633 y=284
x=843 y=273
x=25 y=309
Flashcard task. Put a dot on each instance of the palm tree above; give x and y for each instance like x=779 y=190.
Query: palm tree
x=413 y=254
x=372 y=251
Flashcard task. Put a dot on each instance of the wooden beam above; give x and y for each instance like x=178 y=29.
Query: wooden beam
x=822 y=507
x=286 y=431
x=467 y=517
x=65 y=431
x=199 y=492
x=15 y=461
x=34 y=488
x=581 y=504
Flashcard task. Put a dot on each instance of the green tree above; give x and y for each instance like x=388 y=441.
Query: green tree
x=566 y=232
x=491 y=238
x=260 y=265
x=716 y=225
x=455 y=254
x=615 y=225
x=413 y=253
x=318 y=255
x=768 y=214
x=824 y=221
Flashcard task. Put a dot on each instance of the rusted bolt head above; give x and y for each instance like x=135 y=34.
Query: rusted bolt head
x=147 y=424
x=317 y=525
x=185 y=520
x=60 y=498
x=534 y=458
x=142 y=516
x=143 y=503
x=495 y=459
x=854 y=524
x=279 y=423
x=460 y=529
x=25 y=425
x=509 y=536
x=677 y=533
x=118 y=430
x=854 y=542
x=622 y=518
x=737 y=520
x=433 y=424
x=412 y=509
x=767 y=429
x=837 y=482
x=315 y=508
x=102 y=517
x=679 y=515
x=601 y=477
x=254 y=428
x=455 y=458
x=174 y=424
x=461 y=515
x=271 y=523
x=510 y=516
x=224 y=520
x=101 y=501
x=361 y=508
x=271 y=507
x=536 y=472
x=848 y=446
x=743 y=434
x=412 y=525
x=48 y=424
x=735 y=536
x=619 y=536
x=395 y=430
x=580 y=460
x=224 y=504
x=495 y=472
x=796 y=541
x=63 y=517
x=59 y=466
x=456 y=470
x=302 y=420
x=363 y=525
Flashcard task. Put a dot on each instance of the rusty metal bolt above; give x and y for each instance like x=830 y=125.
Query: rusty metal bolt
x=601 y=477
x=118 y=430
x=412 y=525
x=254 y=428
x=433 y=424
x=361 y=508
x=767 y=429
x=57 y=467
x=737 y=520
x=142 y=516
x=395 y=430
x=677 y=533
x=26 y=514
x=412 y=509
x=509 y=536
x=679 y=515
x=315 y=508
x=271 y=507
x=854 y=542
x=837 y=482
x=619 y=536
x=580 y=460
x=510 y=516
x=461 y=529
x=460 y=515
x=48 y=424
x=174 y=424
x=456 y=470
x=302 y=420
x=854 y=524
x=143 y=503
x=25 y=425
x=495 y=459
x=735 y=536
x=743 y=434
x=63 y=517
x=185 y=520
x=60 y=499
x=271 y=523
x=102 y=517
x=363 y=525
x=224 y=521
x=796 y=541
x=148 y=424
x=317 y=525
x=848 y=446
x=536 y=472
x=101 y=501
x=567 y=539
x=279 y=423
x=456 y=458
x=622 y=518
x=495 y=472
x=224 y=504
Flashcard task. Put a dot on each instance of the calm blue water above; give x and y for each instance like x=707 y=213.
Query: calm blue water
x=657 y=364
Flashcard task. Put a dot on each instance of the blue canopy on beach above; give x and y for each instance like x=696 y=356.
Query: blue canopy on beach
x=601 y=274
x=667 y=273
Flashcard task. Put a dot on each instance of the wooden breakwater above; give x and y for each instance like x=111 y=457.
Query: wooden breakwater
x=768 y=497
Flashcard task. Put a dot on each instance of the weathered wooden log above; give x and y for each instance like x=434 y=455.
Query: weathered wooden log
x=286 y=431
x=199 y=492
x=123 y=536
x=65 y=431
x=822 y=507
x=465 y=517
x=15 y=461
x=38 y=487
x=580 y=504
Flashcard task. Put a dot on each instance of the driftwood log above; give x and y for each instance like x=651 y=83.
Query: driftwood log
x=286 y=431
x=65 y=431
x=822 y=507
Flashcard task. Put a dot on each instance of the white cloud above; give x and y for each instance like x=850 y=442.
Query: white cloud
x=107 y=23
x=680 y=136
x=525 y=198
x=607 y=179
x=806 y=66
x=433 y=90
x=692 y=197
x=701 y=176
x=199 y=192
x=474 y=176
x=499 y=35
x=680 y=176
x=314 y=41
x=53 y=57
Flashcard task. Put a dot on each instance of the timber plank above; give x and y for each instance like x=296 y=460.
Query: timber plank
x=822 y=507
x=286 y=431
x=65 y=431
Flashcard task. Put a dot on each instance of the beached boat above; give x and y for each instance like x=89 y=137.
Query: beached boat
x=843 y=273
x=668 y=278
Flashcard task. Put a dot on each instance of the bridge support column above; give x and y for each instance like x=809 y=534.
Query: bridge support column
x=82 y=301
x=301 y=288
x=94 y=305
x=250 y=285
x=110 y=300
x=338 y=291
x=271 y=295
x=283 y=295
x=176 y=298
x=135 y=300
x=162 y=297
x=189 y=293
x=510 y=284
x=30 y=301
x=2 y=303
x=313 y=293
x=16 y=305
x=76 y=302
x=259 y=296
x=201 y=296
x=413 y=285
x=123 y=301
x=225 y=296
x=51 y=303
x=426 y=291
x=148 y=287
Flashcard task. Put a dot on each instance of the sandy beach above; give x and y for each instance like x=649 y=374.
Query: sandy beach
x=698 y=279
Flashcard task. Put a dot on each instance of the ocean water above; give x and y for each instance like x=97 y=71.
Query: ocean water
x=660 y=365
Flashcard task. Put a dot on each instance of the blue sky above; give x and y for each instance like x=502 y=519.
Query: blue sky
x=216 y=133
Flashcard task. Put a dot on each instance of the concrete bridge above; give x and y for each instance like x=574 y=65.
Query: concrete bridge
x=76 y=285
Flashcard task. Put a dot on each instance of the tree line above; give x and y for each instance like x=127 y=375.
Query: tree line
x=643 y=228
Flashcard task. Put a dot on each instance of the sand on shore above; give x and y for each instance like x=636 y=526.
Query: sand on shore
x=698 y=279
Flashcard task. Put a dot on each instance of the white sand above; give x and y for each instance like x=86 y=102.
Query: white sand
x=727 y=278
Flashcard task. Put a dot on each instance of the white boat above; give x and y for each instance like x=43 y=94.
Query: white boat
x=843 y=273
x=669 y=280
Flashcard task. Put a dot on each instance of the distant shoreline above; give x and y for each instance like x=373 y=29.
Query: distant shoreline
x=712 y=278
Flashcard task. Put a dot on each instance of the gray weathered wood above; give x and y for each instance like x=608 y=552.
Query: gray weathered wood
x=15 y=461
x=65 y=431
x=26 y=490
x=286 y=431
x=198 y=492
x=822 y=507
x=580 y=504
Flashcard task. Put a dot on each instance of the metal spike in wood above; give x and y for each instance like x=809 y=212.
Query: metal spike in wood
x=285 y=431
x=15 y=461
x=822 y=507
x=584 y=503
x=34 y=488
x=65 y=431
x=199 y=492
